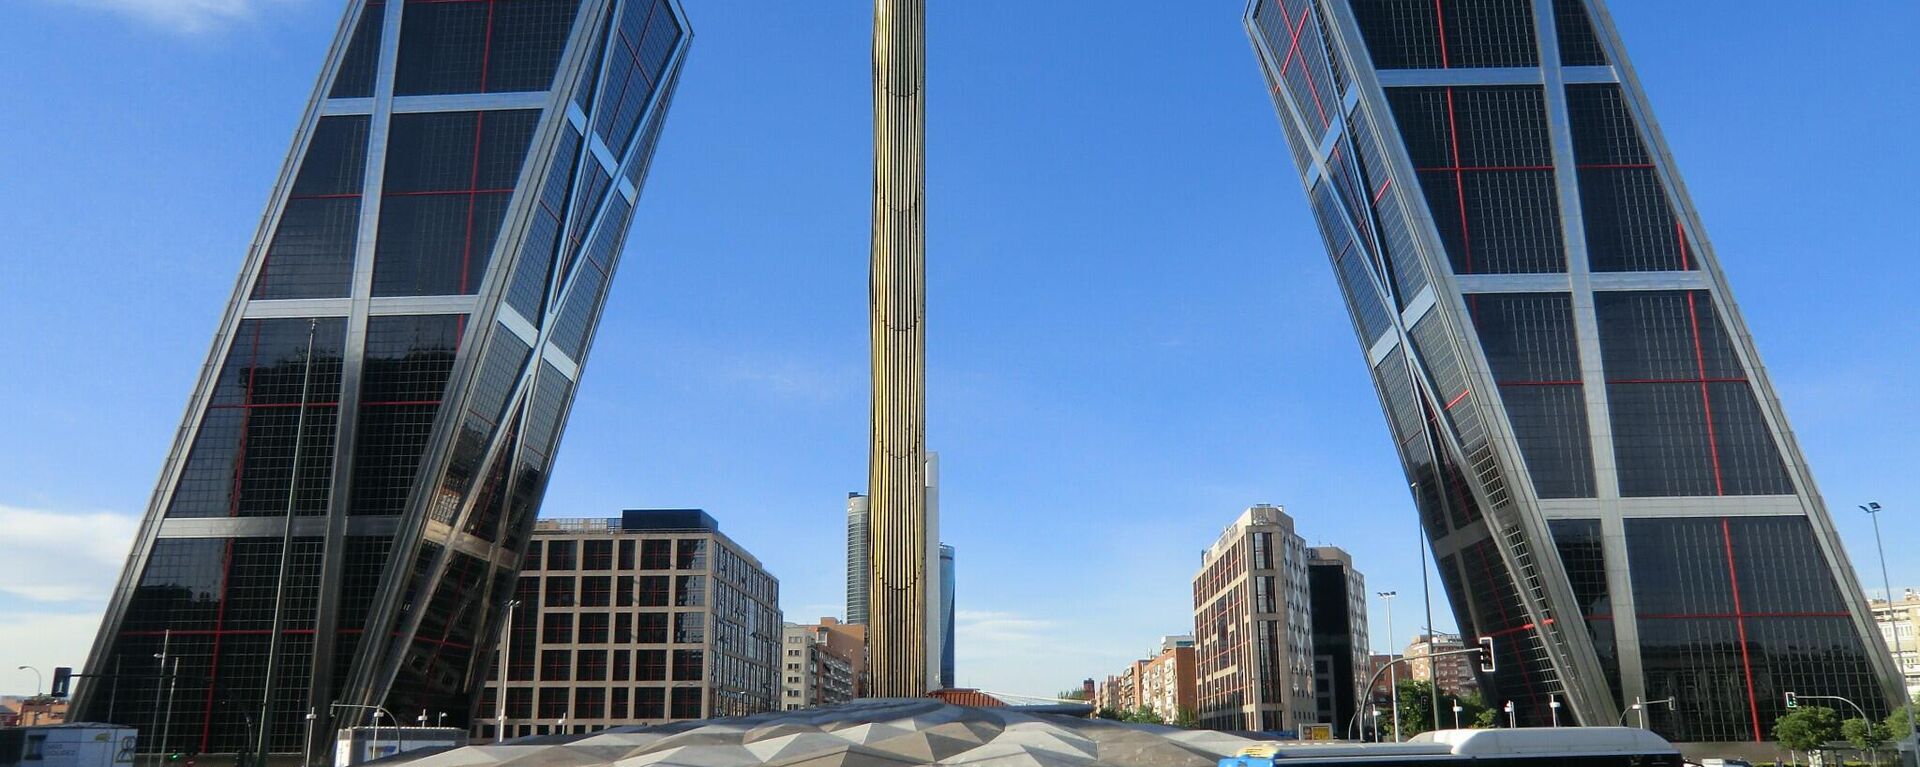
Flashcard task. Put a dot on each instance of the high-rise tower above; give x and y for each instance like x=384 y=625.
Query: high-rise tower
x=897 y=609
x=342 y=515
x=859 y=558
x=1607 y=478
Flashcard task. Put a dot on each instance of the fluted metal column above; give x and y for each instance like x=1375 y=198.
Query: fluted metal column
x=897 y=633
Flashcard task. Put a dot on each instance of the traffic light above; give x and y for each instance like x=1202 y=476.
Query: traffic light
x=62 y=681
x=1793 y=700
x=1486 y=655
x=175 y=757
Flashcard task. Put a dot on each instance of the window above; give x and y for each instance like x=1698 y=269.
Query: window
x=449 y=176
x=652 y=628
x=596 y=591
x=626 y=555
x=623 y=591
x=590 y=666
x=656 y=554
x=553 y=702
x=649 y=702
x=557 y=628
x=1529 y=342
x=690 y=591
x=481 y=46
x=1424 y=34
x=598 y=555
x=555 y=665
x=650 y=665
x=559 y=591
x=693 y=554
x=686 y=702
x=689 y=628
x=1486 y=167
x=593 y=628
x=689 y=665
x=560 y=555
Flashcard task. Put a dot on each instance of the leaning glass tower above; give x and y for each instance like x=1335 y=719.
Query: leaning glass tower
x=1605 y=473
x=339 y=523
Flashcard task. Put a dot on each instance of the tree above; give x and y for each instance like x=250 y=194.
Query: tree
x=1109 y=712
x=1866 y=735
x=1416 y=707
x=1073 y=694
x=1144 y=715
x=1186 y=718
x=1898 y=725
x=1807 y=729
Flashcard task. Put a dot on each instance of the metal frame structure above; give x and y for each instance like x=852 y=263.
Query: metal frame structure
x=1304 y=48
x=439 y=518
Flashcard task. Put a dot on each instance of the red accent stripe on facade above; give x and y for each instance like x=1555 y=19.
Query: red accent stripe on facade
x=1440 y=21
x=473 y=184
x=1294 y=46
x=1459 y=182
x=1456 y=400
x=284 y=405
x=337 y=196
x=1382 y=191
x=1739 y=615
x=1746 y=659
x=213 y=662
x=1700 y=361
x=446 y=192
x=1473 y=168
x=486 y=47
x=1680 y=234
x=1674 y=380
x=1575 y=382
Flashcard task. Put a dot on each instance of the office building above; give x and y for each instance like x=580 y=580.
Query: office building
x=846 y=643
x=810 y=674
x=902 y=540
x=1166 y=682
x=859 y=561
x=1253 y=653
x=651 y=616
x=1453 y=674
x=935 y=579
x=946 y=616
x=1898 y=621
x=1339 y=619
x=347 y=500
x=1607 y=477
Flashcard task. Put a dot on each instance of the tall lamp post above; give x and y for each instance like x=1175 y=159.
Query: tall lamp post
x=1456 y=713
x=1393 y=674
x=1899 y=656
x=500 y=690
x=38 y=682
x=1512 y=721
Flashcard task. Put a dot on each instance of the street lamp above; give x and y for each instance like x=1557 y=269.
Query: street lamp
x=1899 y=656
x=38 y=682
x=1393 y=674
x=1511 y=722
x=1376 y=723
x=1553 y=703
x=500 y=690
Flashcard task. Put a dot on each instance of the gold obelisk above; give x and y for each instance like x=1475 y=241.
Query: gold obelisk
x=897 y=299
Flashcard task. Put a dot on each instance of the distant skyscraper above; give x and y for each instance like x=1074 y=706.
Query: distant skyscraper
x=946 y=616
x=936 y=577
x=1608 y=480
x=859 y=558
x=1339 y=613
x=648 y=617
x=345 y=506
x=1253 y=641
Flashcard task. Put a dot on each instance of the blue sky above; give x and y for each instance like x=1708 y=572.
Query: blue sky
x=1133 y=331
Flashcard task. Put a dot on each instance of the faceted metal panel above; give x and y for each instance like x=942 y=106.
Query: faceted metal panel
x=1493 y=174
x=344 y=508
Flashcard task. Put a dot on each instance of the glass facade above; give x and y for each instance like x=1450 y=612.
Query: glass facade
x=1610 y=488
x=360 y=466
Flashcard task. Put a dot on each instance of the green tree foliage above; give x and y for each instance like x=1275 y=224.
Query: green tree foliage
x=1864 y=734
x=1807 y=728
x=1473 y=711
x=1899 y=725
x=1109 y=712
x=1143 y=715
x=1073 y=694
x=1416 y=708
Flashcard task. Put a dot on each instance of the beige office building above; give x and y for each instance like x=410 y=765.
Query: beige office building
x=1899 y=623
x=649 y=617
x=1252 y=630
x=811 y=673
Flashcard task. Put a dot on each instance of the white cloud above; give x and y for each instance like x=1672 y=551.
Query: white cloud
x=1012 y=653
x=63 y=556
x=184 y=16
x=43 y=641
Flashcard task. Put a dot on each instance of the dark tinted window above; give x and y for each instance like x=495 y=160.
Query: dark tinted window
x=481 y=46
x=311 y=255
x=1424 y=34
x=408 y=359
x=1579 y=46
x=1630 y=223
x=449 y=177
x=356 y=75
x=1486 y=169
x=1530 y=346
x=1685 y=421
